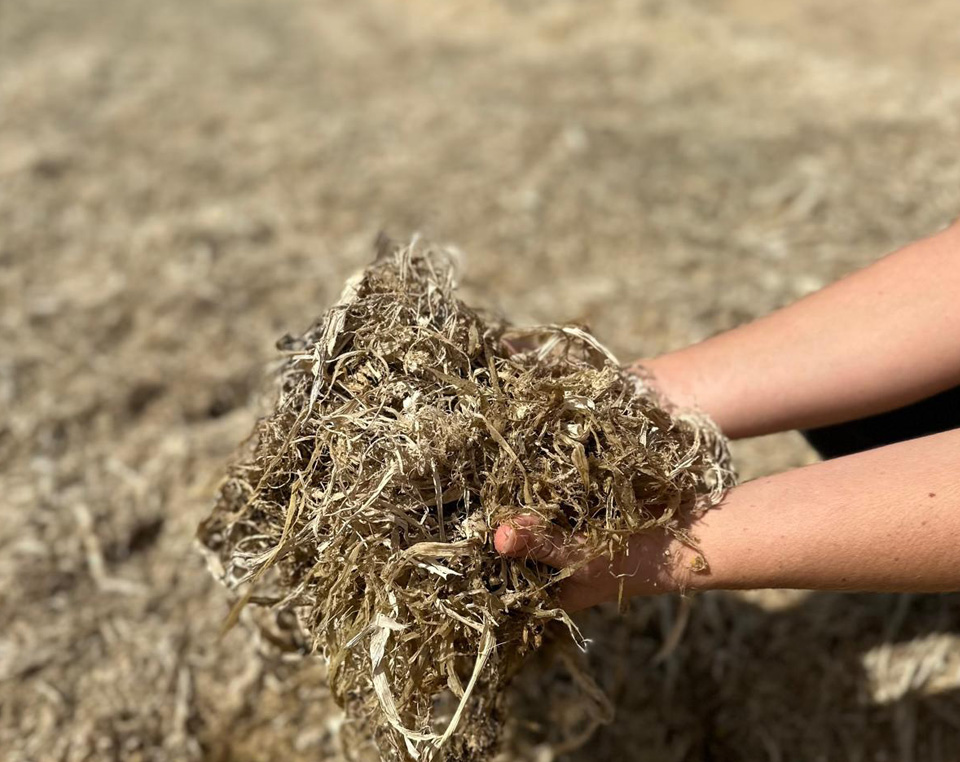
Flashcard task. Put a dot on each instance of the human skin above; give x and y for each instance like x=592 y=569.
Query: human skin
x=884 y=520
x=874 y=341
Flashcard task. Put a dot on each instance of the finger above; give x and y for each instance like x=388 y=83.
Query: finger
x=528 y=536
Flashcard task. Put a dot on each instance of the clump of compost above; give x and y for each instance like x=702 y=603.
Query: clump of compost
x=408 y=426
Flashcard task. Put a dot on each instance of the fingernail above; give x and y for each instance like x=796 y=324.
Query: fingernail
x=506 y=539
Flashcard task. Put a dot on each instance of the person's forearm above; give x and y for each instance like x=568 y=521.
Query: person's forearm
x=879 y=339
x=884 y=520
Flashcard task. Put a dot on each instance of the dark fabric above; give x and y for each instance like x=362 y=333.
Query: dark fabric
x=929 y=416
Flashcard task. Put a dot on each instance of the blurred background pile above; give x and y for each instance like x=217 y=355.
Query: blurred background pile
x=182 y=182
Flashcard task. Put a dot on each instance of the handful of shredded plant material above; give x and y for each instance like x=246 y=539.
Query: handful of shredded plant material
x=408 y=427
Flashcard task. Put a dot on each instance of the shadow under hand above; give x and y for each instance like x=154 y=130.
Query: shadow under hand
x=758 y=677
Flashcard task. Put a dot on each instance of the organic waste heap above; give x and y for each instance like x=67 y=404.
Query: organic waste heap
x=408 y=426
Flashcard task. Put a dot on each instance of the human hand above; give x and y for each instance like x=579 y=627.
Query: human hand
x=651 y=564
x=885 y=520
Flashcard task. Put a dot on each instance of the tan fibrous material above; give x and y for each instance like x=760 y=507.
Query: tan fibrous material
x=408 y=426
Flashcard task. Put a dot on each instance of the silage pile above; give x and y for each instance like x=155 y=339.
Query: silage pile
x=408 y=427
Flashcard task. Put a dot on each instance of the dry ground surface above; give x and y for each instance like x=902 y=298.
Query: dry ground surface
x=183 y=182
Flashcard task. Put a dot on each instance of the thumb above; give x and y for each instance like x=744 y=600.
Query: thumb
x=529 y=536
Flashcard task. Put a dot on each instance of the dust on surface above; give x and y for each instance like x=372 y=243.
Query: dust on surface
x=182 y=183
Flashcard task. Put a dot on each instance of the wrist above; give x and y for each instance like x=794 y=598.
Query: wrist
x=676 y=378
x=687 y=569
x=666 y=381
x=735 y=545
x=659 y=563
